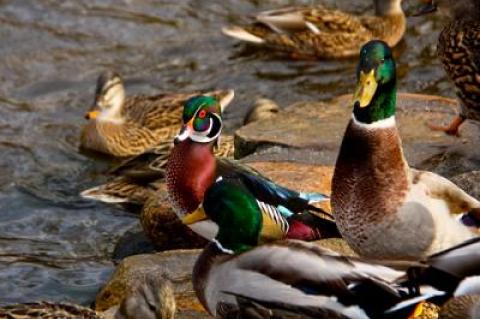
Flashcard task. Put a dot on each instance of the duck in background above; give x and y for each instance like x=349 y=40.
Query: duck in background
x=123 y=126
x=234 y=277
x=319 y=32
x=383 y=208
x=153 y=299
x=192 y=168
x=459 y=50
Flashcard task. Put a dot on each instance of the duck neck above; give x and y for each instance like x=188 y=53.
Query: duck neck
x=201 y=271
x=381 y=108
x=190 y=171
x=388 y=7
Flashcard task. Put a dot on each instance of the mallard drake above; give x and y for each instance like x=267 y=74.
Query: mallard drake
x=302 y=278
x=384 y=208
x=192 y=168
x=459 y=50
x=315 y=31
x=124 y=126
x=153 y=299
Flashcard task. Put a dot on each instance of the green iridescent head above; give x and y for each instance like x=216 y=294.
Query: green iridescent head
x=202 y=121
x=235 y=212
x=375 y=95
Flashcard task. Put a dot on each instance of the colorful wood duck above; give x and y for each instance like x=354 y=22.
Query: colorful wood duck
x=384 y=208
x=192 y=168
x=316 y=31
x=234 y=277
x=153 y=299
x=459 y=50
x=123 y=126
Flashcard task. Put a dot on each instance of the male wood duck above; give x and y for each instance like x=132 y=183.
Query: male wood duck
x=192 y=168
x=123 y=126
x=459 y=50
x=153 y=299
x=236 y=277
x=383 y=208
x=316 y=31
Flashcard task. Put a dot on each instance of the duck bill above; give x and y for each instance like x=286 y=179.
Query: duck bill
x=366 y=88
x=427 y=8
x=185 y=132
x=92 y=115
x=194 y=217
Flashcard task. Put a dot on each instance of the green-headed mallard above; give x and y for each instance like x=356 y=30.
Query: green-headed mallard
x=192 y=168
x=124 y=126
x=384 y=208
x=459 y=50
x=153 y=299
x=315 y=31
x=295 y=277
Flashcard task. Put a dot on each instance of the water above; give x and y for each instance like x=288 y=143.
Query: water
x=53 y=244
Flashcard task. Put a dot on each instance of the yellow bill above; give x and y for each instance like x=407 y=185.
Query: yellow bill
x=195 y=216
x=92 y=115
x=366 y=88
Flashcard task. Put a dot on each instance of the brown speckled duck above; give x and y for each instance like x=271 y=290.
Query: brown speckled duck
x=384 y=208
x=153 y=299
x=123 y=126
x=315 y=31
x=459 y=50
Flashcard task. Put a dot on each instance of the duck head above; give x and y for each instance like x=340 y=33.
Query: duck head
x=152 y=299
x=202 y=121
x=375 y=95
x=236 y=214
x=451 y=8
x=109 y=98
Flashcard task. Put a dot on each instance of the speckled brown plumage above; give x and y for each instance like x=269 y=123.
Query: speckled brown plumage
x=461 y=307
x=47 y=310
x=370 y=179
x=339 y=34
x=459 y=51
x=146 y=121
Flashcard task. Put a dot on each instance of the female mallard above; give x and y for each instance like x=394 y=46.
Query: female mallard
x=124 y=126
x=192 y=168
x=314 y=31
x=153 y=299
x=294 y=277
x=384 y=208
x=459 y=50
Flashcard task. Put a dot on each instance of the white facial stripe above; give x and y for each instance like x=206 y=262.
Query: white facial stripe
x=184 y=134
x=382 y=124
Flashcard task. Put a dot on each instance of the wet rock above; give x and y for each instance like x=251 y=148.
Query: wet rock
x=469 y=182
x=262 y=110
x=316 y=129
x=174 y=265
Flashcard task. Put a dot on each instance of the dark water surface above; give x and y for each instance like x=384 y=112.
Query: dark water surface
x=53 y=244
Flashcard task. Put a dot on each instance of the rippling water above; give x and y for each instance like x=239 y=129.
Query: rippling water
x=53 y=244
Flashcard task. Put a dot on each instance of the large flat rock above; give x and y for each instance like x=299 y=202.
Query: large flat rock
x=312 y=132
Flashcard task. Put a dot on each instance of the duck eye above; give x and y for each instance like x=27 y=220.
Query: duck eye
x=202 y=114
x=382 y=61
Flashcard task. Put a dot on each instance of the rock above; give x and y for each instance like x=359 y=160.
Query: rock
x=312 y=133
x=162 y=226
x=469 y=182
x=263 y=109
x=175 y=265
